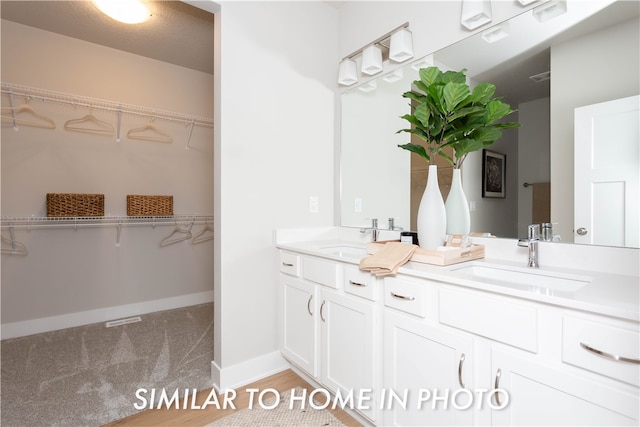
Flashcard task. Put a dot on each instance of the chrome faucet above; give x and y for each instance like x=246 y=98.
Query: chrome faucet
x=374 y=229
x=533 y=237
x=393 y=226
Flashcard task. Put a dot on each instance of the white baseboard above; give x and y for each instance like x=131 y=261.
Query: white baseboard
x=70 y=320
x=247 y=372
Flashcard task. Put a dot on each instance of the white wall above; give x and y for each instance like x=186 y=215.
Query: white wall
x=533 y=156
x=612 y=59
x=277 y=71
x=74 y=277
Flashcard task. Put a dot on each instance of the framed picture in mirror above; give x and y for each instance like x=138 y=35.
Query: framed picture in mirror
x=494 y=168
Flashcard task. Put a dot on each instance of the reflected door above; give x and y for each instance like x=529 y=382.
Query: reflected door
x=607 y=173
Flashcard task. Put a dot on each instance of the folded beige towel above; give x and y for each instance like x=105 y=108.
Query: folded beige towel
x=388 y=260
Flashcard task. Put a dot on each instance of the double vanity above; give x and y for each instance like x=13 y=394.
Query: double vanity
x=483 y=342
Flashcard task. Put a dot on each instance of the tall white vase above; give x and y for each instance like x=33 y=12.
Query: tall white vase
x=458 y=218
x=432 y=216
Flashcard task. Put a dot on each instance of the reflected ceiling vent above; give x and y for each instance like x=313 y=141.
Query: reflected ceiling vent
x=542 y=77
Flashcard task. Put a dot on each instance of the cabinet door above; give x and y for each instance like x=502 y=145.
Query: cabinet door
x=545 y=395
x=300 y=328
x=348 y=329
x=425 y=361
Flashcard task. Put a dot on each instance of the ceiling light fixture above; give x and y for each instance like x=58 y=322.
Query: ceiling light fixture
x=126 y=11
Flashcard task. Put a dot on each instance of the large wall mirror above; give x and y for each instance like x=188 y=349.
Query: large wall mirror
x=545 y=70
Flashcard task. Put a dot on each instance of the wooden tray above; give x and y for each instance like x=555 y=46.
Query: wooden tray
x=449 y=257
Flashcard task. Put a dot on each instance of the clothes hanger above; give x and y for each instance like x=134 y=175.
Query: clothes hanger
x=17 y=248
x=178 y=234
x=205 y=234
x=150 y=133
x=11 y=113
x=89 y=124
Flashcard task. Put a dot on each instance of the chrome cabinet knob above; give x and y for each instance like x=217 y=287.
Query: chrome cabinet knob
x=582 y=231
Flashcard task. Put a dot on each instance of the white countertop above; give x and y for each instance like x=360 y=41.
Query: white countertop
x=616 y=295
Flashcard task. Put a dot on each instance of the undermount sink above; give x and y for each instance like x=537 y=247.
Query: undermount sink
x=530 y=279
x=345 y=251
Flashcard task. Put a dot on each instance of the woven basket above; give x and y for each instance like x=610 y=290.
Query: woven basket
x=71 y=204
x=149 y=205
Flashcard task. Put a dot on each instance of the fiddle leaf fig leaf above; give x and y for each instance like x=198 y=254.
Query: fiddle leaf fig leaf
x=418 y=149
x=483 y=92
x=447 y=113
x=454 y=94
x=496 y=110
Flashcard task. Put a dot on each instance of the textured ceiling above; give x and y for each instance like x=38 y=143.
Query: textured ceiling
x=177 y=33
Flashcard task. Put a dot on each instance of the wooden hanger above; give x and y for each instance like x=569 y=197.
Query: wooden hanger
x=150 y=133
x=89 y=124
x=26 y=115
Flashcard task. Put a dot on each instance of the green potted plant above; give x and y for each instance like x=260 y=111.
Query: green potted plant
x=448 y=113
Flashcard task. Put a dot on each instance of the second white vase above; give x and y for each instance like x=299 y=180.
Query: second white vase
x=432 y=216
x=457 y=207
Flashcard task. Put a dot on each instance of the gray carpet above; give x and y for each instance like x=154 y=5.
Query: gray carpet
x=88 y=376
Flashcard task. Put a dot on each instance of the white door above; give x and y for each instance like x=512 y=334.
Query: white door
x=607 y=156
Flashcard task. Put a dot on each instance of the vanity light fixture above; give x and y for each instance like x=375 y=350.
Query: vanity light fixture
x=393 y=76
x=347 y=72
x=396 y=45
x=401 y=46
x=550 y=10
x=425 y=62
x=495 y=33
x=371 y=60
x=126 y=11
x=475 y=13
x=368 y=86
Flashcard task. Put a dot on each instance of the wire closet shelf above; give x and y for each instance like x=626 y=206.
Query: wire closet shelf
x=29 y=222
x=119 y=108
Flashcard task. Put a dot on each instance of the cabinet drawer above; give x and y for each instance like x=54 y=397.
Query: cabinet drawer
x=406 y=295
x=613 y=351
x=498 y=318
x=360 y=283
x=290 y=263
x=321 y=271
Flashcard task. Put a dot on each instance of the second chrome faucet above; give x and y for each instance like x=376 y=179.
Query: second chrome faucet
x=533 y=237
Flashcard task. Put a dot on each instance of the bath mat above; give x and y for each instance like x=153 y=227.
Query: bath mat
x=281 y=415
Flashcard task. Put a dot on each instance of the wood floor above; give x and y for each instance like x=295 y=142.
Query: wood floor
x=283 y=381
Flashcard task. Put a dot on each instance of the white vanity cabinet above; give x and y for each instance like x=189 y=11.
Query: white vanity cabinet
x=424 y=363
x=330 y=327
x=535 y=356
x=544 y=394
x=432 y=348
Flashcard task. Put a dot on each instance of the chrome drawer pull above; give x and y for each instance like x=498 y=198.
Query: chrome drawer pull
x=309 y=305
x=496 y=386
x=287 y=264
x=321 y=307
x=609 y=355
x=460 y=370
x=402 y=297
x=351 y=282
